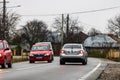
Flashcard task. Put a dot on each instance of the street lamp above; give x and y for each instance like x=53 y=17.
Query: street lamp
x=12 y=6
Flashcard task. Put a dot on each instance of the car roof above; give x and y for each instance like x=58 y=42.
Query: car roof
x=41 y=44
x=2 y=40
x=72 y=44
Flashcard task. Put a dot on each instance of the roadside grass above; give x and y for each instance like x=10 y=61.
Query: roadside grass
x=98 y=54
x=116 y=59
x=16 y=60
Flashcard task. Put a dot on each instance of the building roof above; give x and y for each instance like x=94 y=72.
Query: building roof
x=99 y=41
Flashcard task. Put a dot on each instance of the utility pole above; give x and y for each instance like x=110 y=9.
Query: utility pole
x=62 y=33
x=67 y=29
x=4 y=19
x=4 y=27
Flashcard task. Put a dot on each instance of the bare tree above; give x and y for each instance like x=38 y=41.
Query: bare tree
x=114 y=25
x=34 y=31
x=93 y=32
x=11 y=21
x=73 y=26
x=73 y=22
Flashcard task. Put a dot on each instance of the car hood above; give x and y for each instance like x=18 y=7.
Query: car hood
x=39 y=52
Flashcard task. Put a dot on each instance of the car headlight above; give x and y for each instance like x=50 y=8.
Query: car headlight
x=0 y=55
x=31 y=55
x=47 y=54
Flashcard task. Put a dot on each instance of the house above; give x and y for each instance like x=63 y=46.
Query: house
x=114 y=37
x=100 y=41
x=83 y=36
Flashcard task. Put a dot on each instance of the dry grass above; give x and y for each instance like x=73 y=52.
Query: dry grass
x=15 y=60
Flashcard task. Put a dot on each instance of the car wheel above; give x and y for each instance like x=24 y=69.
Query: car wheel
x=4 y=65
x=84 y=62
x=51 y=59
x=10 y=64
x=62 y=62
x=31 y=61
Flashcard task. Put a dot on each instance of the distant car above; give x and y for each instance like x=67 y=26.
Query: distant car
x=5 y=54
x=73 y=52
x=41 y=51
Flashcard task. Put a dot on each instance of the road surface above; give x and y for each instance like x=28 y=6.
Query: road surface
x=52 y=71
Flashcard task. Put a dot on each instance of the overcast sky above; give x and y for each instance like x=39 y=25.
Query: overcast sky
x=97 y=20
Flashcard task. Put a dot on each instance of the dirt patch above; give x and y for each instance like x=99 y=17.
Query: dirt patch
x=111 y=72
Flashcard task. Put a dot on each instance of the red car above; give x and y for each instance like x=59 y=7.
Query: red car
x=41 y=52
x=5 y=54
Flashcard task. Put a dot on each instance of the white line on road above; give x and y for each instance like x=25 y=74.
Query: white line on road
x=87 y=75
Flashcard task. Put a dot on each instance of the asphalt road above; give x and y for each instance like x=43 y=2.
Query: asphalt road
x=51 y=71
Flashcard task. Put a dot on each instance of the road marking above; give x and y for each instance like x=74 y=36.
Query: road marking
x=85 y=76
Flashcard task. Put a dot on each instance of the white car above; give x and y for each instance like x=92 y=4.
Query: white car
x=73 y=52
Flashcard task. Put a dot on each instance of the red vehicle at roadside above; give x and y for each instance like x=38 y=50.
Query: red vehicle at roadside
x=41 y=52
x=5 y=54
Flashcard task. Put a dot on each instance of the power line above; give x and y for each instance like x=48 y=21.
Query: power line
x=90 y=11
x=88 y=24
x=104 y=9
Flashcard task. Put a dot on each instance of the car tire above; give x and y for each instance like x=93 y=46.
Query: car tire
x=84 y=62
x=62 y=62
x=31 y=61
x=51 y=59
x=4 y=65
x=10 y=64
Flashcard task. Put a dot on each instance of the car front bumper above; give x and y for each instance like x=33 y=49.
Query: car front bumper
x=45 y=58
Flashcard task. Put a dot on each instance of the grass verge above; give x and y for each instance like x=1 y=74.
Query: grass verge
x=116 y=59
x=15 y=60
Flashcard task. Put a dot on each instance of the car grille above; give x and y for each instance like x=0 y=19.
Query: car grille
x=38 y=55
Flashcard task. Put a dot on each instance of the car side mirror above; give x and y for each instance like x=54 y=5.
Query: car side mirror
x=6 y=49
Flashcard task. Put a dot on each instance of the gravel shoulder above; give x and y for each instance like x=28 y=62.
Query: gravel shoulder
x=111 y=72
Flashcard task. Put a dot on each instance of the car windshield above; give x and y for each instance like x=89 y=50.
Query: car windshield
x=1 y=45
x=36 y=48
x=72 y=46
